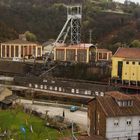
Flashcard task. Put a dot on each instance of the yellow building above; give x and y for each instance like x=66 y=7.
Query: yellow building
x=126 y=66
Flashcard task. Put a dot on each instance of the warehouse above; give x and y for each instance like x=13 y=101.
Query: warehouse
x=126 y=66
x=84 y=53
x=20 y=48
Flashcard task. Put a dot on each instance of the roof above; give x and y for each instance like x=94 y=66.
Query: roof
x=19 y=41
x=5 y=93
x=112 y=109
x=103 y=50
x=131 y=53
x=75 y=46
x=119 y=96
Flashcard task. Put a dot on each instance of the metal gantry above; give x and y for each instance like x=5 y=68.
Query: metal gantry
x=72 y=26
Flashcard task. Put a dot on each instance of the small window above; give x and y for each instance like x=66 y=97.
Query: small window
x=60 y=89
x=30 y=85
x=55 y=88
x=128 y=122
x=127 y=62
x=45 y=86
x=133 y=63
x=73 y=90
x=52 y=82
x=77 y=90
x=51 y=87
x=41 y=86
x=139 y=63
x=36 y=86
x=116 y=122
x=139 y=122
x=98 y=117
x=125 y=73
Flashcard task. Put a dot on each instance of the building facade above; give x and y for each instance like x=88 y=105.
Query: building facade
x=20 y=48
x=84 y=53
x=103 y=55
x=126 y=66
x=115 y=116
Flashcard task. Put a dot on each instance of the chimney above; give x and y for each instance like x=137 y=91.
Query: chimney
x=22 y=37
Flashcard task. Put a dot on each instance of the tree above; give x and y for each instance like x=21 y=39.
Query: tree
x=135 y=44
x=30 y=36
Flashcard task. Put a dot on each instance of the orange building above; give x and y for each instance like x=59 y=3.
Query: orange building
x=81 y=53
x=20 y=48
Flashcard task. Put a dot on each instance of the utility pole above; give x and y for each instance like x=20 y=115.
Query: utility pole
x=90 y=36
x=73 y=136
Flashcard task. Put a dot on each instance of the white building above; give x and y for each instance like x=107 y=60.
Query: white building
x=116 y=116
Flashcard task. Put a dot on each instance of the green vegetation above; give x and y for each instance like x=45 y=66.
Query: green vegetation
x=13 y=120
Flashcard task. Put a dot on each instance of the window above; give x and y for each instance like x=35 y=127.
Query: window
x=52 y=82
x=97 y=93
x=133 y=63
x=116 y=122
x=133 y=74
x=30 y=85
x=98 y=117
x=55 y=88
x=60 y=89
x=36 y=86
x=51 y=87
x=128 y=122
x=45 y=81
x=72 y=90
x=139 y=63
x=130 y=103
x=45 y=86
x=139 y=122
x=127 y=62
x=125 y=73
x=41 y=86
x=77 y=90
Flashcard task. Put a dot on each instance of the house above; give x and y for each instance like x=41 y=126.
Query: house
x=7 y=99
x=20 y=48
x=103 y=55
x=126 y=66
x=84 y=53
x=115 y=116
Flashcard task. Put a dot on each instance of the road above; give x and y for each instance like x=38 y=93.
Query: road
x=79 y=117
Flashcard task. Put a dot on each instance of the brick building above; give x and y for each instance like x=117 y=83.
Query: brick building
x=115 y=116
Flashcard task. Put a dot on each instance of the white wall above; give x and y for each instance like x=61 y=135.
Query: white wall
x=123 y=131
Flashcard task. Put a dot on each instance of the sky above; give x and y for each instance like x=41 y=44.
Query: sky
x=130 y=0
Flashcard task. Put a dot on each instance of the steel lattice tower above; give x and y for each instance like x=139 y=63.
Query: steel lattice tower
x=72 y=25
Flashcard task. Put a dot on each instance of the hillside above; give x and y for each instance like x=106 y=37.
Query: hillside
x=110 y=22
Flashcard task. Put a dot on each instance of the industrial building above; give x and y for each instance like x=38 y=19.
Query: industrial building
x=84 y=53
x=115 y=116
x=20 y=48
x=126 y=66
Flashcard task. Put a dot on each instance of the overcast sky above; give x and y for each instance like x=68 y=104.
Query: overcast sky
x=130 y=0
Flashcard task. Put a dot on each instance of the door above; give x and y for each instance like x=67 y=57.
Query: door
x=138 y=136
x=120 y=65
